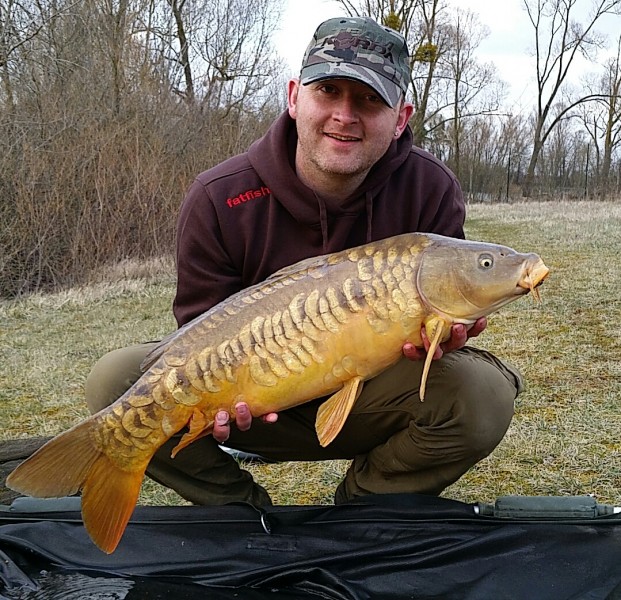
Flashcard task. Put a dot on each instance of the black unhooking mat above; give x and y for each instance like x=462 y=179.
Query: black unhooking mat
x=383 y=547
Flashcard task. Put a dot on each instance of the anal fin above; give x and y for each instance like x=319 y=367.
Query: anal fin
x=333 y=413
x=199 y=426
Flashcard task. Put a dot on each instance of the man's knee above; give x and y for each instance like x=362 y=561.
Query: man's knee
x=483 y=389
x=113 y=374
x=465 y=415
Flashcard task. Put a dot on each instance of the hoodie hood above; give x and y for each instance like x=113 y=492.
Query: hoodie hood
x=273 y=158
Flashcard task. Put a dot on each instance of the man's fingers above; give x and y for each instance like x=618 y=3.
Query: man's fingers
x=243 y=421
x=412 y=352
x=221 y=427
x=243 y=416
x=477 y=327
x=459 y=336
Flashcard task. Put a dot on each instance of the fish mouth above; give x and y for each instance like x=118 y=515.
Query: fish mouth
x=532 y=279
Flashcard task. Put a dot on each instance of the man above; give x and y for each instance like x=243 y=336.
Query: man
x=336 y=170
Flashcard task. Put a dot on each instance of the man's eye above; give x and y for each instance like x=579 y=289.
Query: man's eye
x=373 y=98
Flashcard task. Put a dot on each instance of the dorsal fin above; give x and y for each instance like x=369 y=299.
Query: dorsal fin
x=298 y=267
x=156 y=353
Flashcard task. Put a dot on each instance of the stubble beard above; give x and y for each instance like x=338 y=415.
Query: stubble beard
x=333 y=165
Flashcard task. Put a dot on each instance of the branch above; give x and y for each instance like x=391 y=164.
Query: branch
x=562 y=114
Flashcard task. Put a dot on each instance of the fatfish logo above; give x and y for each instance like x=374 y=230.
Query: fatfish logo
x=247 y=196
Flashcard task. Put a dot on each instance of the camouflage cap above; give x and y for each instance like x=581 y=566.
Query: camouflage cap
x=361 y=49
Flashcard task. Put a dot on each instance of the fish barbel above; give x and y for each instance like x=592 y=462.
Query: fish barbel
x=322 y=326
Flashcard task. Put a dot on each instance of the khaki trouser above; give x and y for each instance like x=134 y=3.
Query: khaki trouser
x=396 y=442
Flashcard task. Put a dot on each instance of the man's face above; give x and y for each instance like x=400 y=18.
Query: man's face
x=343 y=127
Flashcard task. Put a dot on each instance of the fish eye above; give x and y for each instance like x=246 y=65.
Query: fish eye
x=486 y=261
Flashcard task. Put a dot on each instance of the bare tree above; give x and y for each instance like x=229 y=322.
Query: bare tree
x=238 y=53
x=177 y=10
x=116 y=21
x=470 y=81
x=21 y=21
x=428 y=36
x=494 y=149
x=219 y=51
x=561 y=161
x=602 y=118
x=559 y=40
x=611 y=86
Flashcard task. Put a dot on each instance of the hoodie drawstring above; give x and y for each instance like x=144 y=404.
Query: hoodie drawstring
x=369 y=207
x=323 y=219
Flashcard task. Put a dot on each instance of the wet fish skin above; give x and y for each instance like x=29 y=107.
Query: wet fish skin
x=321 y=326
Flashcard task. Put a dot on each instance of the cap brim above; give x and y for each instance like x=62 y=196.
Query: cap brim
x=386 y=89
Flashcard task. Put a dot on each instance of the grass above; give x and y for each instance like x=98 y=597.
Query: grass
x=566 y=434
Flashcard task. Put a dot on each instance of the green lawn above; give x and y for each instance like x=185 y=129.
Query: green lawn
x=566 y=434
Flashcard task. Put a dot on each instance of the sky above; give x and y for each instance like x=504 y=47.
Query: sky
x=508 y=45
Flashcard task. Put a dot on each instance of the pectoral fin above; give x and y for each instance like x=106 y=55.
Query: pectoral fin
x=437 y=330
x=333 y=412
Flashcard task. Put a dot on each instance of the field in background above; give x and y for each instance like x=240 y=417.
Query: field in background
x=566 y=434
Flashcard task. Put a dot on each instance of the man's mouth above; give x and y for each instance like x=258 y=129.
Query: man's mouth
x=342 y=138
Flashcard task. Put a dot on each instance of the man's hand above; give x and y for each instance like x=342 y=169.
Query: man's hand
x=243 y=420
x=459 y=336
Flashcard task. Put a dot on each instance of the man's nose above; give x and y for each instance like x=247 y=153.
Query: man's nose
x=345 y=110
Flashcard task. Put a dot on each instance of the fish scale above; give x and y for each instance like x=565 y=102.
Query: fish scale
x=318 y=328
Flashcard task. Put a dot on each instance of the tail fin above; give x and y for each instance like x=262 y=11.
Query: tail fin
x=71 y=462
x=109 y=497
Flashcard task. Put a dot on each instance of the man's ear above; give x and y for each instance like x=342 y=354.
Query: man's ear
x=293 y=87
x=405 y=112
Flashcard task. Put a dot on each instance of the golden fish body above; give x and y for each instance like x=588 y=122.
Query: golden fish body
x=321 y=326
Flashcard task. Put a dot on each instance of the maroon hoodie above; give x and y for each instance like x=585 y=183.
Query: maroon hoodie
x=249 y=216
